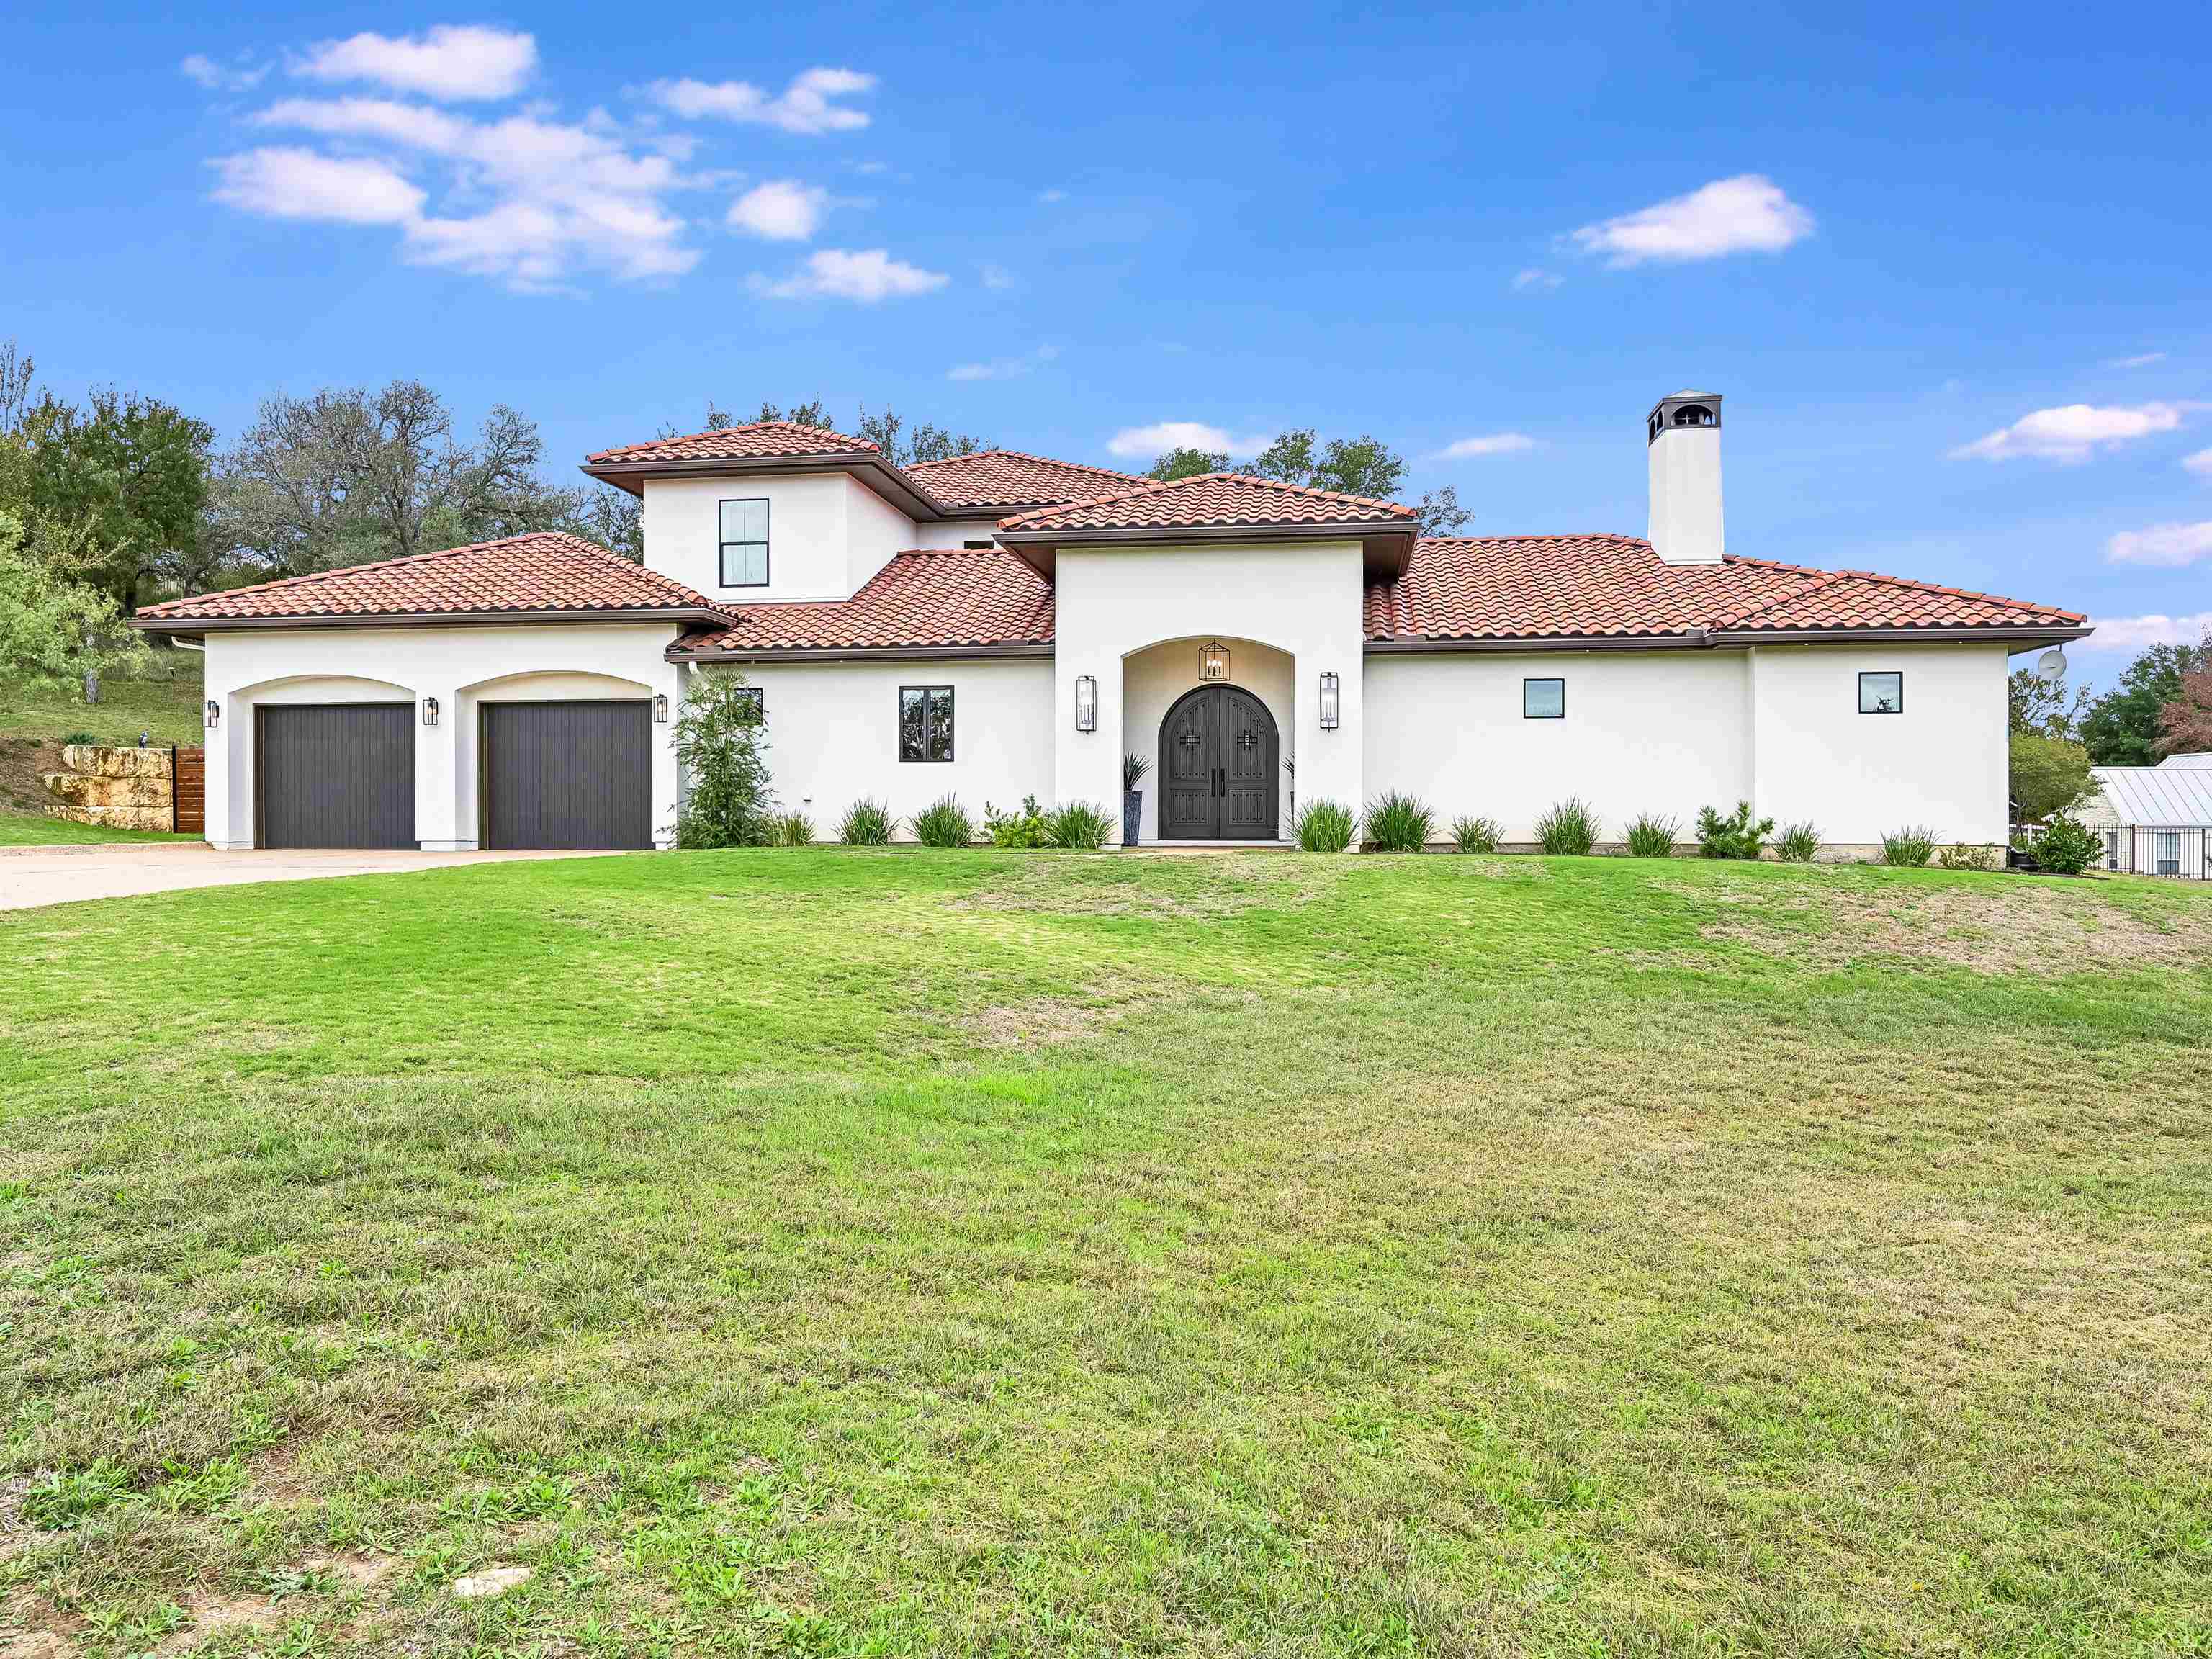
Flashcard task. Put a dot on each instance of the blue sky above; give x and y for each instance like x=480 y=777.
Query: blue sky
x=1887 y=240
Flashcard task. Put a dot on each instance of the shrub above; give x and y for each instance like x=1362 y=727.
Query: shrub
x=1569 y=829
x=944 y=823
x=1326 y=825
x=1080 y=826
x=1476 y=834
x=1799 y=843
x=1908 y=848
x=794 y=829
x=81 y=736
x=1965 y=855
x=1734 y=836
x=1650 y=836
x=2066 y=846
x=1399 y=824
x=867 y=823
x=1021 y=829
x=719 y=744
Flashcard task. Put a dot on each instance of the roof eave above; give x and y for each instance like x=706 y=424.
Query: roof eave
x=1698 y=639
x=1386 y=545
x=2021 y=634
x=196 y=627
x=680 y=652
x=870 y=469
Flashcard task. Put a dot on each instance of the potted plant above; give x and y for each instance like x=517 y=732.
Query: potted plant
x=1133 y=767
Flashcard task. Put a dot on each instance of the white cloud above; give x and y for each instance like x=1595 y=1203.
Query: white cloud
x=281 y=183
x=1493 y=443
x=529 y=201
x=205 y=72
x=996 y=276
x=867 y=275
x=1536 y=276
x=1747 y=213
x=2134 y=633
x=782 y=210
x=2142 y=359
x=807 y=106
x=2168 y=545
x=1003 y=369
x=2200 y=462
x=1164 y=435
x=450 y=61
x=2072 y=432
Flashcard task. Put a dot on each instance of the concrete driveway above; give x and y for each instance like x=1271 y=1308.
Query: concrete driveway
x=32 y=875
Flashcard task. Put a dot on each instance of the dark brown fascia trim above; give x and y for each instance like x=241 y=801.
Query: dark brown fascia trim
x=856 y=653
x=1698 y=639
x=1363 y=531
x=194 y=627
x=872 y=470
x=2021 y=634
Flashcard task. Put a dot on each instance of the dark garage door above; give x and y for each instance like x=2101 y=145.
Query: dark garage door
x=567 y=774
x=335 y=775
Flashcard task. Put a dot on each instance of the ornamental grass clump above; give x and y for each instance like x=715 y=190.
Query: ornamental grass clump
x=1736 y=837
x=867 y=822
x=1326 y=825
x=1798 y=844
x=944 y=823
x=1650 y=836
x=794 y=829
x=1909 y=848
x=1080 y=826
x=1399 y=824
x=1568 y=830
x=1476 y=834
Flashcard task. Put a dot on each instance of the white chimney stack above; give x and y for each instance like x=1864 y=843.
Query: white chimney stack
x=1684 y=436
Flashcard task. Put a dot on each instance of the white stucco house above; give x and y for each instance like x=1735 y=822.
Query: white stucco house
x=998 y=625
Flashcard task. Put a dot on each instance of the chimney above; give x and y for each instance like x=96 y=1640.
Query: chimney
x=1684 y=436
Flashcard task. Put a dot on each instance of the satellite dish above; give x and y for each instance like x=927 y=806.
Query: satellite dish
x=2051 y=665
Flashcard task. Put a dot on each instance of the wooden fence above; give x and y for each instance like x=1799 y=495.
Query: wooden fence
x=188 y=800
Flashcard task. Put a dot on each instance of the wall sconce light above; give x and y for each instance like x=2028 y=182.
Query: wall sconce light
x=1329 y=702
x=1086 y=703
x=1213 y=660
x=660 y=708
x=214 y=714
x=429 y=711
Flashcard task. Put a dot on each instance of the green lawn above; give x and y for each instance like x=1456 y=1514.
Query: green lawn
x=37 y=829
x=890 y=1253
x=171 y=709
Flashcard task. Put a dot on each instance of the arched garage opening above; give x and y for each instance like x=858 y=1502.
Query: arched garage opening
x=331 y=761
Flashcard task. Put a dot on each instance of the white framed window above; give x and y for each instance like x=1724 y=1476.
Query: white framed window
x=2169 y=852
x=1882 y=693
x=1543 y=700
x=744 y=544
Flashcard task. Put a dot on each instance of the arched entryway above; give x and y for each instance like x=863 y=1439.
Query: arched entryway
x=1219 y=768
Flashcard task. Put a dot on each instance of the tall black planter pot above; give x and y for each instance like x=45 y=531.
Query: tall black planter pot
x=1133 y=816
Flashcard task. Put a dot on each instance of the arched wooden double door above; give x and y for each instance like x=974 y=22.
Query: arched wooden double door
x=1220 y=766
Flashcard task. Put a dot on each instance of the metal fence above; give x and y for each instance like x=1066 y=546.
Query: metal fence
x=2152 y=849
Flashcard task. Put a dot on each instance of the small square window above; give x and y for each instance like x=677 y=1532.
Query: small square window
x=744 y=544
x=1543 y=700
x=925 y=723
x=1881 y=693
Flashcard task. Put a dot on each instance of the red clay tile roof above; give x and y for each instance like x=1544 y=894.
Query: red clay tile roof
x=1616 y=588
x=546 y=571
x=1210 y=500
x=755 y=441
x=929 y=598
x=1007 y=477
